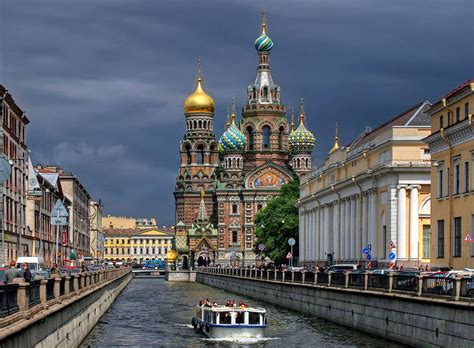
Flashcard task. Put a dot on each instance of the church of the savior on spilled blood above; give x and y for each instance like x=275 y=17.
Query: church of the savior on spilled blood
x=222 y=184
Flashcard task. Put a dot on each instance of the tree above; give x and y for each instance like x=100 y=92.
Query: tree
x=278 y=222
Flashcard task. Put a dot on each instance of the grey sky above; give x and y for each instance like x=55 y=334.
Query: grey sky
x=103 y=81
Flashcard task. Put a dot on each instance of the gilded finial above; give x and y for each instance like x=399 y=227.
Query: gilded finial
x=264 y=22
x=292 y=124
x=227 y=122
x=336 y=145
x=202 y=194
x=232 y=115
x=302 y=113
x=199 y=76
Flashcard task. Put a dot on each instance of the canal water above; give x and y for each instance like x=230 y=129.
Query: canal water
x=154 y=312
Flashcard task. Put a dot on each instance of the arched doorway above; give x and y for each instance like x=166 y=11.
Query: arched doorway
x=185 y=262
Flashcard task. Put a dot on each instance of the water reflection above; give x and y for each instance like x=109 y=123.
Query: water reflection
x=153 y=312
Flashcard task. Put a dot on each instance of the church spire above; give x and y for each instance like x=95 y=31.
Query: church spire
x=264 y=22
x=292 y=124
x=302 y=113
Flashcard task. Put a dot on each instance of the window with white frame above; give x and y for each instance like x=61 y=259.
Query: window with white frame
x=440 y=181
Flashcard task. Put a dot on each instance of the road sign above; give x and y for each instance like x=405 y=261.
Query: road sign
x=288 y=256
x=365 y=251
x=369 y=257
x=291 y=241
x=469 y=238
x=391 y=245
x=59 y=209
x=5 y=170
x=58 y=221
x=392 y=256
x=261 y=247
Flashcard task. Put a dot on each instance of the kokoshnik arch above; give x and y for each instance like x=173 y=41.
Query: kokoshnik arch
x=222 y=184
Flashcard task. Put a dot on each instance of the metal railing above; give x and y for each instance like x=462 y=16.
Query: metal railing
x=8 y=300
x=23 y=297
x=378 y=281
x=457 y=289
x=34 y=293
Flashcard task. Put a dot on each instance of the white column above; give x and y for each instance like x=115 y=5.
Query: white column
x=316 y=235
x=335 y=230
x=414 y=231
x=301 y=236
x=311 y=236
x=373 y=225
x=308 y=232
x=353 y=226
x=347 y=229
x=321 y=233
x=326 y=231
x=342 y=230
x=365 y=219
x=402 y=223
x=358 y=237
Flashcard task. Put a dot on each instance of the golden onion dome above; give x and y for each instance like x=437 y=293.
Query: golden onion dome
x=199 y=100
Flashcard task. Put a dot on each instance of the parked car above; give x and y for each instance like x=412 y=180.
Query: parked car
x=341 y=268
x=383 y=271
x=36 y=265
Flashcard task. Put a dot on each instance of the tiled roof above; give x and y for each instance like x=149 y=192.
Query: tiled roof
x=458 y=88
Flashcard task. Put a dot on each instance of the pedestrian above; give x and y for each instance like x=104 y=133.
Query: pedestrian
x=12 y=273
x=55 y=271
x=27 y=273
x=84 y=267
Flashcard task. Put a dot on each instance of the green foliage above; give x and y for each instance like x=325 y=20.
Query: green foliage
x=278 y=222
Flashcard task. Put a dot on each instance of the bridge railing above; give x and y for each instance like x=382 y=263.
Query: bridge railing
x=416 y=285
x=20 y=300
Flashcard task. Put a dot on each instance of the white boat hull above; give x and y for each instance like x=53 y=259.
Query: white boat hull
x=230 y=331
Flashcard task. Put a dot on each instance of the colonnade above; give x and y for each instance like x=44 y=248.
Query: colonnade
x=402 y=222
x=340 y=228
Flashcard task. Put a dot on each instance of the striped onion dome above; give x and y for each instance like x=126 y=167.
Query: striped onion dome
x=301 y=140
x=232 y=139
x=263 y=43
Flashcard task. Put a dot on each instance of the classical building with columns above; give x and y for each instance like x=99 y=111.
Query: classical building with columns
x=372 y=192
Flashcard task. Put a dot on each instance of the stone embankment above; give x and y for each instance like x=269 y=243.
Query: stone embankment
x=57 y=312
x=410 y=310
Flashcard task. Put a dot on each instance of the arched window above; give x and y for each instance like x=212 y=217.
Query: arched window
x=265 y=92
x=188 y=155
x=195 y=124
x=200 y=154
x=298 y=163
x=280 y=138
x=307 y=163
x=266 y=137
x=250 y=140
x=200 y=124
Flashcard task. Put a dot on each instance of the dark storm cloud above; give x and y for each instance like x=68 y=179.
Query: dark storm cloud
x=103 y=82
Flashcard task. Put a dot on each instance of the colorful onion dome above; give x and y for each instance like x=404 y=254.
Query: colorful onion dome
x=233 y=138
x=199 y=100
x=263 y=42
x=301 y=139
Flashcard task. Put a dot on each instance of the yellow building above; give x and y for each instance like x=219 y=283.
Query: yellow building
x=452 y=176
x=373 y=193
x=123 y=222
x=137 y=244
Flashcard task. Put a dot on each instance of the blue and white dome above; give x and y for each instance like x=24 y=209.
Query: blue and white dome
x=263 y=43
x=233 y=139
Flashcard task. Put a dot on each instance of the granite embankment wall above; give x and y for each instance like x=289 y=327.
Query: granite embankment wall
x=68 y=320
x=408 y=319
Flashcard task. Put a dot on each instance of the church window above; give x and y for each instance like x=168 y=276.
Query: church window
x=259 y=207
x=307 y=163
x=200 y=154
x=266 y=137
x=235 y=209
x=195 y=124
x=234 y=237
x=298 y=163
x=265 y=92
x=250 y=137
x=254 y=93
x=200 y=124
x=280 y=138
x=238 y=162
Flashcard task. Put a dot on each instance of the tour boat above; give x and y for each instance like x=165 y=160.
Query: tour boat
x=230 y=322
